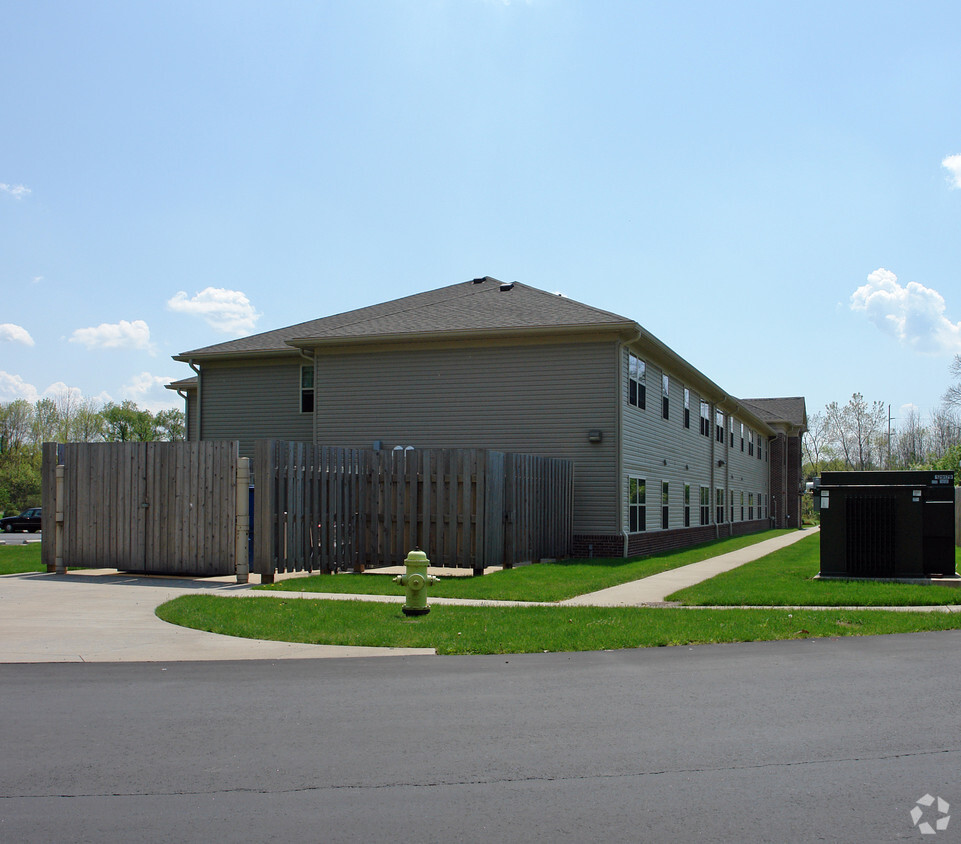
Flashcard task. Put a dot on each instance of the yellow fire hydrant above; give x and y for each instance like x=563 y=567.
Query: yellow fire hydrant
x=416 y=581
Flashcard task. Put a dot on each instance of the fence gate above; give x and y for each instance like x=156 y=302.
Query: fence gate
x=167 y=508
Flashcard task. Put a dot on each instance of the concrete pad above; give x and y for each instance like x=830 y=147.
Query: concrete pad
x=656 y=588
x=109 y=617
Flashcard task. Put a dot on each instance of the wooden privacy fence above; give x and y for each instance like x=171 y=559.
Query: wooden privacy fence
x=320 y=508
x=172 y=508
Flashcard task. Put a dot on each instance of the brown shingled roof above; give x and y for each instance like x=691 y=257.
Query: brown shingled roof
x=790 y=410
x=479 y=305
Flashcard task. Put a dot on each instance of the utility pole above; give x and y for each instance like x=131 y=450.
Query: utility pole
x=889 y=439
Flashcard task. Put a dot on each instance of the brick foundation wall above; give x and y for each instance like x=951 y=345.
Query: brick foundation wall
x=651 y=542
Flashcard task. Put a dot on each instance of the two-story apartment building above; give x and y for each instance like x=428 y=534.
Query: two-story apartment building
x=663 y=456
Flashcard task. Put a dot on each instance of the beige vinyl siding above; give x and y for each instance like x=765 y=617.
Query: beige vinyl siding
x=251 y=401
x=747 y=473
x=536 y=399
x=190 y=410
x=659 y=450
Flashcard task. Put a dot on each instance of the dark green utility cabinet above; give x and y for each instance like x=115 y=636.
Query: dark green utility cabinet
x=887 y=524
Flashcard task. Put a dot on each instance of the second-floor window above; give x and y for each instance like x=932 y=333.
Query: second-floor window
x=637 y=374
x=705 y=419
x=665 y=397
x=687 y=408
x=306 y=389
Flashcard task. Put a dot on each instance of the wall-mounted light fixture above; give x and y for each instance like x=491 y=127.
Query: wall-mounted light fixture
x=594 y=435
x=720 y=463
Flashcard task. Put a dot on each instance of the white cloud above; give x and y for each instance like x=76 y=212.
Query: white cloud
x=953 y=165
x=913 y=314
x=14 y=387
x=148 y=392
x=228 y=311
x=36 y=279
x=119 y=335
x=15 y=334
x=16 y=191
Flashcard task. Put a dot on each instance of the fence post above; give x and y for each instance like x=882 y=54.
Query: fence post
x=59 y=566
x=264 y=501
x=242 y=560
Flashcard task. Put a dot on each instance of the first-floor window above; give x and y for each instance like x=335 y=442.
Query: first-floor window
x=719 y=504
x=687 y=505
x=750 y=506
x=705 y=505
x=306 y=389
x=665 y=512
x=742 y=505
x=637 y=504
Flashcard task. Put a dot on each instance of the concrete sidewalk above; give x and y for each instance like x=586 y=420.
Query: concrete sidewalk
x=656 y=588
x=108 y=616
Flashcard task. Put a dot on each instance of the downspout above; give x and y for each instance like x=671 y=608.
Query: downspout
x=619 y=457
x=712 y=493
x=183 y=395
x=200 y=416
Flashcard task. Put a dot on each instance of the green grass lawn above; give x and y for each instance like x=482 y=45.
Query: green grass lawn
x=17 y=559
x=486 y=630
x=786 y=578
x=544 y=582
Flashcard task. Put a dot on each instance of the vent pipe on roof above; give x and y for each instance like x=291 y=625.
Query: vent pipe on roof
x=507 y=286
x=478 y=280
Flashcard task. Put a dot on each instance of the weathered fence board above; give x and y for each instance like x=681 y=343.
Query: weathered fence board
x=144 y=507
x=324 y=509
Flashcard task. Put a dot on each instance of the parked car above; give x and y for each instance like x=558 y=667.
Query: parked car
x=28 y=520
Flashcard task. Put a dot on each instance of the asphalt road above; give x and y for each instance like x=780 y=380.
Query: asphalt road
x=18 y=538
x=824 y=740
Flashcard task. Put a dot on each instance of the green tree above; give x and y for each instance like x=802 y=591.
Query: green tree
x=127 y=423
x=170 y=425
x=952 y=396
x=16 y=425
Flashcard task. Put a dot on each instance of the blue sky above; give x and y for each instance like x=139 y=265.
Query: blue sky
x=772 y=189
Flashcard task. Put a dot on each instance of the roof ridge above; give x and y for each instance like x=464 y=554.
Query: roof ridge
x=396 y=311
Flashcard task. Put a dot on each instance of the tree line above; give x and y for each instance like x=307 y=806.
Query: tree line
x=67 y=417
x=860 y=435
